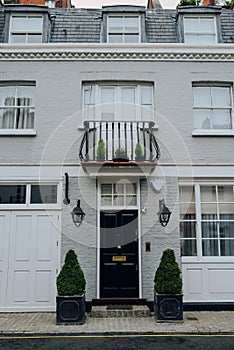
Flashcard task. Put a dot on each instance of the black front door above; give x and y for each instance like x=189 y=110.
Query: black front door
x=119 y=255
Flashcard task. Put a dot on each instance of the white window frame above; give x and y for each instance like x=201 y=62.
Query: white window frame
x=19 y=131
x=28 y=205
x=123 y=32
x=213 y=131
x=200 y=33
x=124 y=195
x=198 y=220
x=96 y=105
x=26 y=32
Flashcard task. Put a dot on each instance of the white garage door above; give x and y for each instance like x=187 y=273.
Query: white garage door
x=29 y=244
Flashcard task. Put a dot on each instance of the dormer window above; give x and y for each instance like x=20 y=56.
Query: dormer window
x=200 y=30
x=123 y=28
x=26 y=29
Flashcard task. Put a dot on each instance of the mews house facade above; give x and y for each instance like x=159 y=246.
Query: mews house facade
x=121 y=108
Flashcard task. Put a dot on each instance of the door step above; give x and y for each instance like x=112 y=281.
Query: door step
x=103 y=311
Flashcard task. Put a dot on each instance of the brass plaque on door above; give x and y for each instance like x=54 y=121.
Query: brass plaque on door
x=119 y=258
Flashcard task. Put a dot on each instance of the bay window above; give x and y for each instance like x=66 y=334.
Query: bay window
x=207 y=220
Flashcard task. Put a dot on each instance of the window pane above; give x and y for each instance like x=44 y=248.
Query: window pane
x=34 y=24
x=7 y=96
x=128 y=103
x=222 y=119
x=207 y=39
x=25 y=95
x=131 y=200
x=115 y=38
x=18 y=38
x=201 y=96
x=191 y=24
x=107 y=103
x=131 y=24
x=119 y=188
x=89 y=94
x=191 y=39
x=207 y=25
x=131 y=188
x=115 y=24
x=226 y=208
x=106 y=188
x=210 y=248
x=106 y=200
x=12 y=194
x=226 y=229
x=208 y=193
x=227 y=247
x=44 y=194
x=221 y=97
x=131 y=38
x=187 y=229
x=34 y=38
x=225 y=194
x=188 y=247
x=7 y=118
x=18 y=23
x=187 y=194
x=209 y=230
x=146 y=95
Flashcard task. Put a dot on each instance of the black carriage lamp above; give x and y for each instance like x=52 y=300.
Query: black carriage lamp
x=77 y=214
x=164 y=213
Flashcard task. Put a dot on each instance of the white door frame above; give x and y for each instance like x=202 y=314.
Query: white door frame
x=99 y=209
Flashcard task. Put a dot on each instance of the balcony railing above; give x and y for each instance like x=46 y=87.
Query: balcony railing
x=110 y=141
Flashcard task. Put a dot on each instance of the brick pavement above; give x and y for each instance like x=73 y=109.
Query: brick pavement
x=195 y=322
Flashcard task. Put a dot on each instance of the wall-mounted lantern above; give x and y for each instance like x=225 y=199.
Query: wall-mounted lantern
x=164 y=213
x=77 y=214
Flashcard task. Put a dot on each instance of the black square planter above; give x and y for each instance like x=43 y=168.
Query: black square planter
x=168 y=307
x=70 y=310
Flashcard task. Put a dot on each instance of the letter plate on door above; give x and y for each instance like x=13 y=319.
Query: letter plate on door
x=119 y=258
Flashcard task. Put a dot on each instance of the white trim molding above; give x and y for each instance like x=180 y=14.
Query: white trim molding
x=117 y=52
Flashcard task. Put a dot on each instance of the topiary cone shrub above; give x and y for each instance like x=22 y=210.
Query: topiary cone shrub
x=168 y=278
x=71 y=280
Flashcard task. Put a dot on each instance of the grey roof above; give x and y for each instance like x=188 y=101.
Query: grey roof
x=76 y=25
x=227 y=26
x=161 y=26
x=85 y=25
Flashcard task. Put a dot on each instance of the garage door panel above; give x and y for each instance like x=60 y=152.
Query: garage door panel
x=30 y=257
x=22 y=238
x=221 y=281
x=44 y=237
x=21 y=286
x=43 y=278
x=4 y=248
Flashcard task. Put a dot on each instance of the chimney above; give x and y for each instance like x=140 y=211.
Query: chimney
x=208 y=2
x=154 y=4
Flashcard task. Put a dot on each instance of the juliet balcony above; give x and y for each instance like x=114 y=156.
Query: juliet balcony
x=118 y=145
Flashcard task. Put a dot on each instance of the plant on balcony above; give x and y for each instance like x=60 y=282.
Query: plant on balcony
x=189 y=2
x=120 y=156
x=71 y=292
x=168 y=298
x=138 y=152
x=101 y=151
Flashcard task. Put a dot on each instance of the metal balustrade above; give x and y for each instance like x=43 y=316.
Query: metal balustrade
x=109 y=141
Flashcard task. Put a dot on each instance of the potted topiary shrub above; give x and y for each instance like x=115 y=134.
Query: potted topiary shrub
x=71 y=284
x=189 y=3
x=120 y=156
x=101 y=151
x=138 y=153
x=168 y=297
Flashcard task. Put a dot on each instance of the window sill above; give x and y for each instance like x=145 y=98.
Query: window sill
x=10 y=132
x=213 y=133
